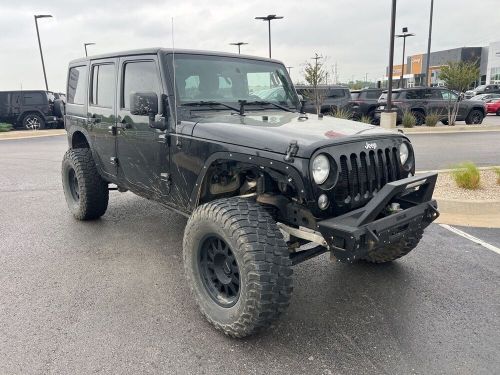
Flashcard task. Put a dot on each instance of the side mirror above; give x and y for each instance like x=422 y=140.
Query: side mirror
x=144 y=104
x=300 y=97
x=461 y=97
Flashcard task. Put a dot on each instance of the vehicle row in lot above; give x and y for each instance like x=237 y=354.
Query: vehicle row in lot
x=421 y=101
x=493 y=106
x=482 y=89
x=331 y=97
x=32 y=109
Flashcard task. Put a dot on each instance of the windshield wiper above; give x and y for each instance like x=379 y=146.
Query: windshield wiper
x=209 y=103
x=265 y=102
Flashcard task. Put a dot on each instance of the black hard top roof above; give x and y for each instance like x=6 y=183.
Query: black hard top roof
x=157 y=50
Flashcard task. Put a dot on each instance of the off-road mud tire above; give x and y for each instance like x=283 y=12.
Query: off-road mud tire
x=261 y=255
x=394 y=251
x=91 y=201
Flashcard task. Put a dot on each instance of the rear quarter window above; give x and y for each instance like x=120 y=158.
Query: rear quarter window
x=77 y=85
x=33 y=98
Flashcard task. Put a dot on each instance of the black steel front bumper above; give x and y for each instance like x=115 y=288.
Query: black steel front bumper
x=352 y=235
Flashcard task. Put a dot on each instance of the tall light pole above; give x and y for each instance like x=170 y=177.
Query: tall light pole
x=391 y=57
x=316 y=81
x=40 y=45
x=269 y=18
x=239 y=44
x=85 y=46
x=405 y=35
x=427 y=64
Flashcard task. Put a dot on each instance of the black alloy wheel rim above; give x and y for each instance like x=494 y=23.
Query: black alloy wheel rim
x=476 y=118
x=74 y=188
x=219 y=271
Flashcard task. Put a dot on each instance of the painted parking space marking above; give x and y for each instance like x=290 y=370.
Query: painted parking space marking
x=471 y=238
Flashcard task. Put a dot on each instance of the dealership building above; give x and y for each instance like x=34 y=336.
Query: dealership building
x=487 y=58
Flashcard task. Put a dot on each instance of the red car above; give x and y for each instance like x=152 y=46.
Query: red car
x=493 y=106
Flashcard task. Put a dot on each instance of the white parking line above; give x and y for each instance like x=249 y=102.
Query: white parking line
x=471 y=238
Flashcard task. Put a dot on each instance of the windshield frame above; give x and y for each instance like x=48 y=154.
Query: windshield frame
x=287 y=84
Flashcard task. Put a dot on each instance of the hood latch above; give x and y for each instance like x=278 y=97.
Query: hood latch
x=291 y=152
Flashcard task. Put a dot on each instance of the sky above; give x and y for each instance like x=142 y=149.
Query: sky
x=354 y=34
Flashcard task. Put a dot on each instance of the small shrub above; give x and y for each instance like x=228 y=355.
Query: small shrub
x=366 y=119
x=497 y=171
x=5 y=127
x=466 y=176
x=431 y=119
x=409 y=121
x=342 y=113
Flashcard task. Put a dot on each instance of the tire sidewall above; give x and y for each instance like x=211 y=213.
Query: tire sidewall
x=200 y=230
x=74 y=206
x=419 y=118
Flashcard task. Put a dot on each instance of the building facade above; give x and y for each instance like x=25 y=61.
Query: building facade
x=493 y=66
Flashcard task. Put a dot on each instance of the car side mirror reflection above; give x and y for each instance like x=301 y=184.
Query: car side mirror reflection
x=146 y=104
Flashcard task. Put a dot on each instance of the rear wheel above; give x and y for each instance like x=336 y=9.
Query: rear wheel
x=237 y=265
x=475 y=117
x=394 y=251
x=419 y=117
x=33 y=121
x=86 y=192
x=498 y=112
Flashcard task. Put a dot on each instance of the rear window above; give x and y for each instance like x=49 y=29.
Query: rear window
x=355 y=95
x=383 y=96
x=77 y=85
x=372 y=94
x=336 y=93
x=103 y=85
x=33 y=98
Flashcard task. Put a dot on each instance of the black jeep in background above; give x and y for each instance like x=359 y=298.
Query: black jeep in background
x=364 y=102
x=33 y=109
x=331 y=97
x=421 y=101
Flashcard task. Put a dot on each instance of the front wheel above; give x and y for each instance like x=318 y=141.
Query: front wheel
x=475 y=117
x=394 y=251
x=237 y=265
x=86 y=192
x=498 y=112
x=419 y=118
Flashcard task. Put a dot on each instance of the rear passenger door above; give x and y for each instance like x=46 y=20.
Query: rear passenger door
x=141 y=150
x=101 y=114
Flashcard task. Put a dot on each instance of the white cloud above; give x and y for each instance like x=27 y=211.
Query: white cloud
x=355 y=34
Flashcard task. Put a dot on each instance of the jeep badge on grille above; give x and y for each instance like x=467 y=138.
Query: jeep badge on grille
x=370 y=146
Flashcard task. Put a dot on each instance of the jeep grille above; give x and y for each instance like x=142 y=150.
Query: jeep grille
x=362 y=175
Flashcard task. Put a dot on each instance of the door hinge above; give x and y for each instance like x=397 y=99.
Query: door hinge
x=113 y=160
x=164 y=138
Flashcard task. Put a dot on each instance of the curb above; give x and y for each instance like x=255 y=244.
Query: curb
x=452 y=129
x=466 y=207
x=23 y=135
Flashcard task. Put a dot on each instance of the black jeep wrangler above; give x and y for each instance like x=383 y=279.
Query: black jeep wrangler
x=31 y=109
x=264 y=185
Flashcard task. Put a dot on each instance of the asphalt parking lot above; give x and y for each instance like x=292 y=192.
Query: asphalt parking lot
x=109 y=296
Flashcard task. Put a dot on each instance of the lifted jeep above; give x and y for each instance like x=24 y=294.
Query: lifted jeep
x=222 y=139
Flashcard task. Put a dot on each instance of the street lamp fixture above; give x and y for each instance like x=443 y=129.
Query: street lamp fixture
x=85 y=46
x=239 y=44
x=404 y=35
x=269 y=18
x=37 y=16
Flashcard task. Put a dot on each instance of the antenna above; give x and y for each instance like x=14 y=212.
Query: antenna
x=173 y=65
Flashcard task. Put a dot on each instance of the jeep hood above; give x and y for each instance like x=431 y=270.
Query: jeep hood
x=281 y=128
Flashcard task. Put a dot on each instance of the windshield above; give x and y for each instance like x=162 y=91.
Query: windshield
x=479 y=88
x=228 y=79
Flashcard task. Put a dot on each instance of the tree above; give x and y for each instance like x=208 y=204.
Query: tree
x=458 y=76
x=315 y=75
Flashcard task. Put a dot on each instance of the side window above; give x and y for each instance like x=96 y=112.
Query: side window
x=448 y=95
x=33 y=98
x=336 y=93
x=415 y=94
x=103 y=85
x=372 y=94
x=77 y=85
x=138 y=76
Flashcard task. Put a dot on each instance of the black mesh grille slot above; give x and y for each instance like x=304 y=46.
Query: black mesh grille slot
x=365 y=176
x=354 y=177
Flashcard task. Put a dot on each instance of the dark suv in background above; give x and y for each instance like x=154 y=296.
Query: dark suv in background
x=421 y=101
x=364 y=102
x=34 y=109
x=333 y=97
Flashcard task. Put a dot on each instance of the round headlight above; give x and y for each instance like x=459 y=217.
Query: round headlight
x=320 y=169
x=404 y=153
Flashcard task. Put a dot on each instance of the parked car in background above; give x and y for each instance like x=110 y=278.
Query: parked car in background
x=364 y=102
x=421 y=101
x=33 y=109
x=493 y=106
x=483 y=89
x=332 y=97
x=485 y=97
